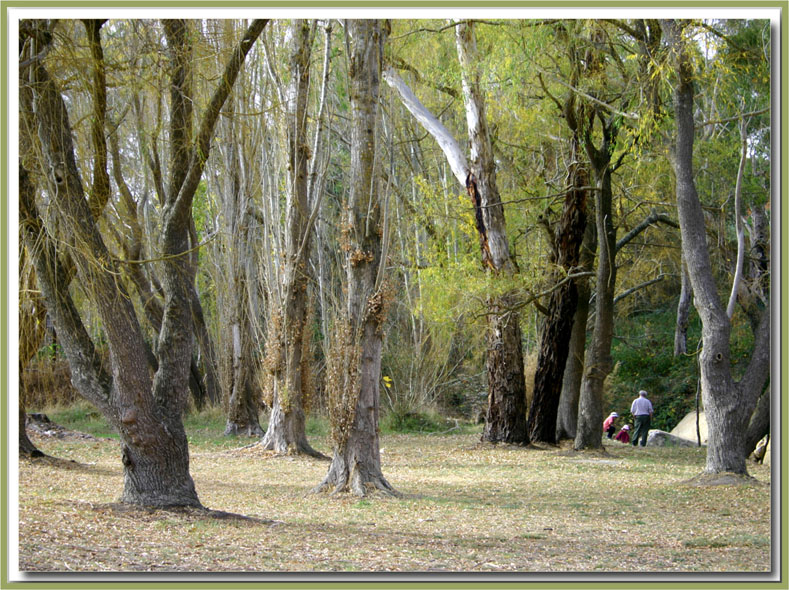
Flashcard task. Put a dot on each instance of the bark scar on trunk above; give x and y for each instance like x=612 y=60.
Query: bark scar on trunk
x=471 y=187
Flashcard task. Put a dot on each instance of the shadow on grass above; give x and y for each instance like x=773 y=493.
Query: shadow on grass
x=68 y=464
x=187 y=513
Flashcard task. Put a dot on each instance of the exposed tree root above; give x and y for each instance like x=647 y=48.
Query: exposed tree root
x=359 y=481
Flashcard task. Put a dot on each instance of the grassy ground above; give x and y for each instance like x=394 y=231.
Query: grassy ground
x=465 y=508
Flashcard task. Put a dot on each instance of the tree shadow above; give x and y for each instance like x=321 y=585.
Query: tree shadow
x=188 y=513
x=67 y=464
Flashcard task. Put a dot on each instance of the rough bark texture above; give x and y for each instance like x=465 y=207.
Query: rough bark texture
x=505 y=420
x=289 y=380
x=759 y=424
x=567 y=418
x=728 y=405
x=355 y=363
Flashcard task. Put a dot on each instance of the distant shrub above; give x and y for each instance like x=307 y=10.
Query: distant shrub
x=403 y=420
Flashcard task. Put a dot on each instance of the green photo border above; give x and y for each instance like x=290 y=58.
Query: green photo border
x=175 y=581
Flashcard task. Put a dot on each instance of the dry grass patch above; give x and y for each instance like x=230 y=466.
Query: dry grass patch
x=465 y=507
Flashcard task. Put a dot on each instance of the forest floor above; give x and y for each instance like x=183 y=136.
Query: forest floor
x=465 y=508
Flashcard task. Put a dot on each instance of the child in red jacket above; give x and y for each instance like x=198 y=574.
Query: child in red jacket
x=624 y=434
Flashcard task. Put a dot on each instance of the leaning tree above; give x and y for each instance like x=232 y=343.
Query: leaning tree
x=728 y=403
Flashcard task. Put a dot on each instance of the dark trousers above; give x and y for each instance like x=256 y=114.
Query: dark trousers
x=642 y=423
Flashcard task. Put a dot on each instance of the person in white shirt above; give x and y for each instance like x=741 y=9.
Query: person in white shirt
x=641 y=408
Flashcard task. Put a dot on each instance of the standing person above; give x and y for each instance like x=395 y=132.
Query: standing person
x=608 y=425
x=641 y=408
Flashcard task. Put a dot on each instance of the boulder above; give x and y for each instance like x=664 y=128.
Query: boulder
x=687 y=428
x=661 y=438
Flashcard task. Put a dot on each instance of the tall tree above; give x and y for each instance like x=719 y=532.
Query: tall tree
x=145 y=408
x=506 y=410
x=288 y=346
x=354 y=372
x=728 y=403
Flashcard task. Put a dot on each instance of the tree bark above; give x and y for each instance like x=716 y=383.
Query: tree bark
x=355 y=363
x=759 y=424
x=728 y=405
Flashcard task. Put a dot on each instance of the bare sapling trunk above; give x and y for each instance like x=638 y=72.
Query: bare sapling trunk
x=288 y=362
x=728 y=404
x=354 y=372
x=683 y=312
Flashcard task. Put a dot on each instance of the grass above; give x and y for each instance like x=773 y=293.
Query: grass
x=465 y=507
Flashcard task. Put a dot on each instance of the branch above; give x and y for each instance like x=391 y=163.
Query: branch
x=591 y=98
x=401 y=64
x=738 y=221
x=735 y=118
x=653 y=218
x=632 y=290
x=450 y=147
x=199 y=156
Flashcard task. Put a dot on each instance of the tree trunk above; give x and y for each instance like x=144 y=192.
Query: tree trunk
x=505 y=419
x=146 y=412
x=354 y=374
x=598 y=362
x=567 y=419
x=555 y=335
x=759 y=424
x=728 y=405
x=288 y=349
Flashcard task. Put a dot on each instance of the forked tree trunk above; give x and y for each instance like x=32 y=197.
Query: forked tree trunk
x=728 y=404
x=354 y=373
x=598 y=358
x=288 y=347
x=145 y=411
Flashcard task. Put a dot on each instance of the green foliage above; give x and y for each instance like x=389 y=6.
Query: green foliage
x=404 y=420
x=644 y=359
